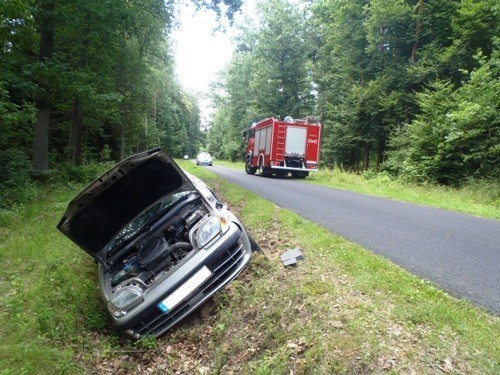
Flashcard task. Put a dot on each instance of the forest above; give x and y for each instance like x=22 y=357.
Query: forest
x=406 y=86
x=409 y=87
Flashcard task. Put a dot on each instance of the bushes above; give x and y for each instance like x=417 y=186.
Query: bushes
x=455 y=137
x=69 y=173
x=18 y=183
x=16 y=172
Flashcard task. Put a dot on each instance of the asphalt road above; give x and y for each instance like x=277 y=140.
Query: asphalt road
x=457 y=252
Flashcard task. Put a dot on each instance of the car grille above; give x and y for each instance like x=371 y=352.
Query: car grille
x=222 y=267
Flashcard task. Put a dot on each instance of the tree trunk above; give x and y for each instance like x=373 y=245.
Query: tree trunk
x=155 y=110
x=75 y=135
x=367 y=156
x=76 y=127
x=381 y=151
x=123 y=112
x=122 y=142
x=43 y=102
x=41 y=136
x=418 y=29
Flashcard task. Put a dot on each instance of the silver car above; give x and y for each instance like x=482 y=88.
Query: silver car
x=163 y=241
x=204 y=158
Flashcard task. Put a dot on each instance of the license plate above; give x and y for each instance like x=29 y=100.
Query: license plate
x=185 y=290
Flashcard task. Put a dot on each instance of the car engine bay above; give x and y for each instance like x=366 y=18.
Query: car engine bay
x=157 y=250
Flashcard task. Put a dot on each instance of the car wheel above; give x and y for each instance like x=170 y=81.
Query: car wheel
x=253 y=244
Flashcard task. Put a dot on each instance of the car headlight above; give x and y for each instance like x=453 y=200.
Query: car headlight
x=211 y=228
x=124 y=300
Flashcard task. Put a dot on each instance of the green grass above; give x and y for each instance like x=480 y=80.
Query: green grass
x=48 y=289
x=476 y=198
x=342 y=310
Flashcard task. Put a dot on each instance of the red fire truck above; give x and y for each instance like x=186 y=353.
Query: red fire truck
x=278 y=147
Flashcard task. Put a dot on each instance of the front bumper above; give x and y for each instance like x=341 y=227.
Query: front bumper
x=204 y=162
x=291 y=169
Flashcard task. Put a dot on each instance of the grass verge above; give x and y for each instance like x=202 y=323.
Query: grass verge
x=49 y=299
x=476 y=198
x=346 y=310
x=342 y=310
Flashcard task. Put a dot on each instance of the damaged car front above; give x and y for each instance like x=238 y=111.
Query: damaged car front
x=163 y=242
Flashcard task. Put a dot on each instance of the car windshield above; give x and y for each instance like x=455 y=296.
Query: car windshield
x=146 y=217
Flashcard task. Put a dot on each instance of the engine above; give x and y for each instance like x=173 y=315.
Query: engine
x=159 y=252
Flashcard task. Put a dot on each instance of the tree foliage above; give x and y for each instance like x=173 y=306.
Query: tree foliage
x=375 y=60
x=406 y=85
x=91 y=80
x=78 y=76
x=456 y=135
x=269 y=75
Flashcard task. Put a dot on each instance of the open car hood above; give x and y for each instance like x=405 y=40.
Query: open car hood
x=100 y=211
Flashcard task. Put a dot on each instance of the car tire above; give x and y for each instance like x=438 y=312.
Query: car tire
x=253 y=244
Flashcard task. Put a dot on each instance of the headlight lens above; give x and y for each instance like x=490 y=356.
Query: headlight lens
x=124 y=300
x=211 y=228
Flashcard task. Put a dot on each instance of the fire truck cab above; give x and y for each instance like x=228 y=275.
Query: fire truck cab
x=279 y=147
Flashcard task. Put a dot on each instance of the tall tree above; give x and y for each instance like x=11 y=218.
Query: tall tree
x=372 y=56
x=269 y=75
x=474 y=26
x=282 y=83
x=46 y=20
x=455 y=136
x=17 y=112
x=341 y=64
x=87 y=67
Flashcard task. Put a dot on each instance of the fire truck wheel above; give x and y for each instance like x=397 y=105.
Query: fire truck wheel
x=249 y=169
x=300 y=174
x=264 y=172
